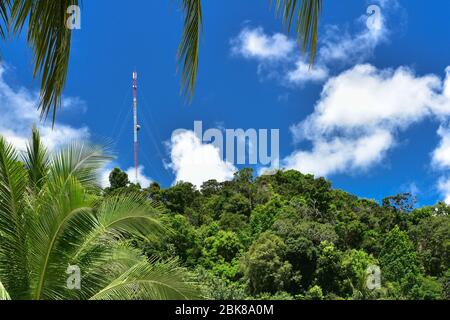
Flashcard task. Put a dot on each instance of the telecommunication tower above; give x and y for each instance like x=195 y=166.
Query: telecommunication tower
x=136 y=126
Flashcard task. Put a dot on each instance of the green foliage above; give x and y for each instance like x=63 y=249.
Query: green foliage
x=355 y=264
x=225 y=245
x=399 y=261
x=330 y=272
x=428 y=288
x=153 y=192
x=118 y=179
x=178 y=198
x=265 y=268
x=264 y=216
x=314 y=293
x=445 y=280
x=431 y=236
x=403 y=202
x=119 y=183
x=281 y=296
x=217 y=288
x=180 y=241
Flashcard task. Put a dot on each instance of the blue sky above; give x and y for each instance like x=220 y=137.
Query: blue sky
x=372 y=115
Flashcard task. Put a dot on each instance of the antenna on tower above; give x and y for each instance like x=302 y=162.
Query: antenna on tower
x=136 y=126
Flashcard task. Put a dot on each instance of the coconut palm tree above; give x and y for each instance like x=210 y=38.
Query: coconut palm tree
x=60 y=240
x=50 y=39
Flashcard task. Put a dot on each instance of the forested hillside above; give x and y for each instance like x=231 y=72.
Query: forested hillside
x=291 y=236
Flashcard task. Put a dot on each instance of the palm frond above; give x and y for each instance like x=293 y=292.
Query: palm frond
x=118 y=215
x=36 y=161
x=103 y=263
x=4 y=295
x=154 y=280
x=50 y=41
x=13 y=243
x=129 y=213
x=81 y=161
x=5 y=6
x=306 y=15
x=188 y=51
x=63 y=220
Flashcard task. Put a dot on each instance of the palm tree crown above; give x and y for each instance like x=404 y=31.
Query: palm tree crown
x=51 y=220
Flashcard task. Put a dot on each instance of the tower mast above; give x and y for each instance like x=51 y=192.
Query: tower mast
x=136 y=125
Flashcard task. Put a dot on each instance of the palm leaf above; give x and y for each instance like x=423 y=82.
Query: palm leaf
x=13 y=243
x=119 y=214
x=81 y=161
x=3 y=293
x=188 y=51
x=129 y=213
x=50 y=41
x=104 y=263
x=36 y=161
x=64 y=217
x=305 y=14
x=4 y=17
x=154 y=280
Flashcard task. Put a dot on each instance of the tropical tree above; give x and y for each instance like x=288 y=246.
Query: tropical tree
x=50 y=40
x=264 y=266
x=59 y=240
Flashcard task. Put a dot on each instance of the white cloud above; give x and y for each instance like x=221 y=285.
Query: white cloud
x=365 y=97
x=304 y=73
x=103 y=175
x=195 y=162
x=18 y=114
x=279 y=57
x=340 y=45
x=359 y=113
x=274 y=52
x=441 y=156
x=143 y=180
x=339 y=155
x=441 y=161
x=444 y=188
x=254 y=43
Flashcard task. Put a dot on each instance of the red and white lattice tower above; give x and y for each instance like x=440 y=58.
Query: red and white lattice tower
x=136 y=126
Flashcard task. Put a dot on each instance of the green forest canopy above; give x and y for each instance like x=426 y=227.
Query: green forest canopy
x=291 y=236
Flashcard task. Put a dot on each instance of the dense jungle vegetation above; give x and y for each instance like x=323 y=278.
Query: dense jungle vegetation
x=291 y=236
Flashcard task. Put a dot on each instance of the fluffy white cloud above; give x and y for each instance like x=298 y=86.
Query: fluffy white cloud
x=341 y=154
x=274 y=52
x=18 y=114
x=143 y=180
x=103 y=175
x=279 y=56
x=254 y=43
x=441 y=161
x=444 y=188
x=364 y=97
x=358 y=114
x=441 y=156
x=340 y=45
x=195 y=162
